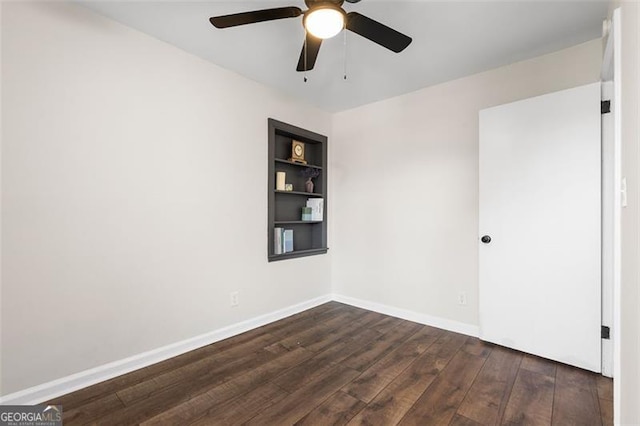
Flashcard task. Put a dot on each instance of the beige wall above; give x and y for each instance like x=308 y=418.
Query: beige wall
x=133 y=194
x=405 y=182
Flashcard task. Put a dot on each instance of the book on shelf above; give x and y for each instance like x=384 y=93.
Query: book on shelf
x=317 y=208
x=282 y=240
x=288 y=240
x=277 y=241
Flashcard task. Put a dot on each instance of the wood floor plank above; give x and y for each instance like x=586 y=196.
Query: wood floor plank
x=317 y=365
x=438 y=404
x=477 y=347
x=238 y=410
x=203 y=403
x=370 y=318
x=165 y=398
x=92 y=410
x=317 y=332
x=379 y=348
x=487 y=399
x=309 y=316
x=393 y=402
x=539 y=365
x=246 y=353
x=605 y=387
x=337 y=410
x=348 y=330
x=301 y=402
x=366 y=386
x=606 y=412
x=300 y=324
x=386 y=324
x=531 y=400
x=276 y=348
x=459 y=420
x=208 y=367
x=191 y=409
x=576 y=398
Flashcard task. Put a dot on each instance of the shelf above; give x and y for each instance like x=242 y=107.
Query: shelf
x=280 y=160
x=285 y=207
x=296 y=222
x=298 y=253
x=308 y=194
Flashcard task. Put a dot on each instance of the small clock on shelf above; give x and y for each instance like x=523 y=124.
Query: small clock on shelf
x=297 y=152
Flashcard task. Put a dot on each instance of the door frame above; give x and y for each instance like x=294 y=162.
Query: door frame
x=611 y=72
x=608 y=227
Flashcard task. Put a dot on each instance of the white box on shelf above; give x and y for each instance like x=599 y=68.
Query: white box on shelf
x=317 y=208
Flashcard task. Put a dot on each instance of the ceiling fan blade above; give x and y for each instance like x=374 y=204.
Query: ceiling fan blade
x=312 y=47
x=377 y=32
x=352 y=1
x=236 y=19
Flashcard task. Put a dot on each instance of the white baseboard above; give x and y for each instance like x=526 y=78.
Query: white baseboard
x=65 y=385
x=443 y=323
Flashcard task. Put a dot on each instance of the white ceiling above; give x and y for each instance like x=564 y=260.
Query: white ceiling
x=450 y=40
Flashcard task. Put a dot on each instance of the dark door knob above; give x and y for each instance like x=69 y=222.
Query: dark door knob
x=485 y=239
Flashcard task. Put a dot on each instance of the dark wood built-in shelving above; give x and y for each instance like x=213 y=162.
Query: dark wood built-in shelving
x=307 y=194
x=293 y=222
x=285 y=207
x=297 y=253
x=279 y=160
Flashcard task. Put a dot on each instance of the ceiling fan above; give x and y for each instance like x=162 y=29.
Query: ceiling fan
x=324 y=19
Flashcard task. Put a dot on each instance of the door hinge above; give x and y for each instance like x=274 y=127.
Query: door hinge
x=604 y=332
x=605 y=107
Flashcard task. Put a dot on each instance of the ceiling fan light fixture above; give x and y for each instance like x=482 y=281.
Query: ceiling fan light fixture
x=324 y=21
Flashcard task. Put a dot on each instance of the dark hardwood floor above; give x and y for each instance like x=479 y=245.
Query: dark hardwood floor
x=336 y=364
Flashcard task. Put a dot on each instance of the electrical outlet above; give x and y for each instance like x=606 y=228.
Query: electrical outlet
x=235 y=299
x=462 y=298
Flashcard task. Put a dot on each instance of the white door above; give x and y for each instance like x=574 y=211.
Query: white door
x=540 y=205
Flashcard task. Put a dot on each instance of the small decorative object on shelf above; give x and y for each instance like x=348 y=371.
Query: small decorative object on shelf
x=288 y=187
x=306 y=213
x=280 y=179
x=309 y=173
x=297 y=152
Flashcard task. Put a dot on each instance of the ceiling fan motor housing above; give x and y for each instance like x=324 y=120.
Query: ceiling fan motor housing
x=314 y=3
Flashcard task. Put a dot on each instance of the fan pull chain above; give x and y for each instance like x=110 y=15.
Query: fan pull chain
x=345 y=53
x=305 y=55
